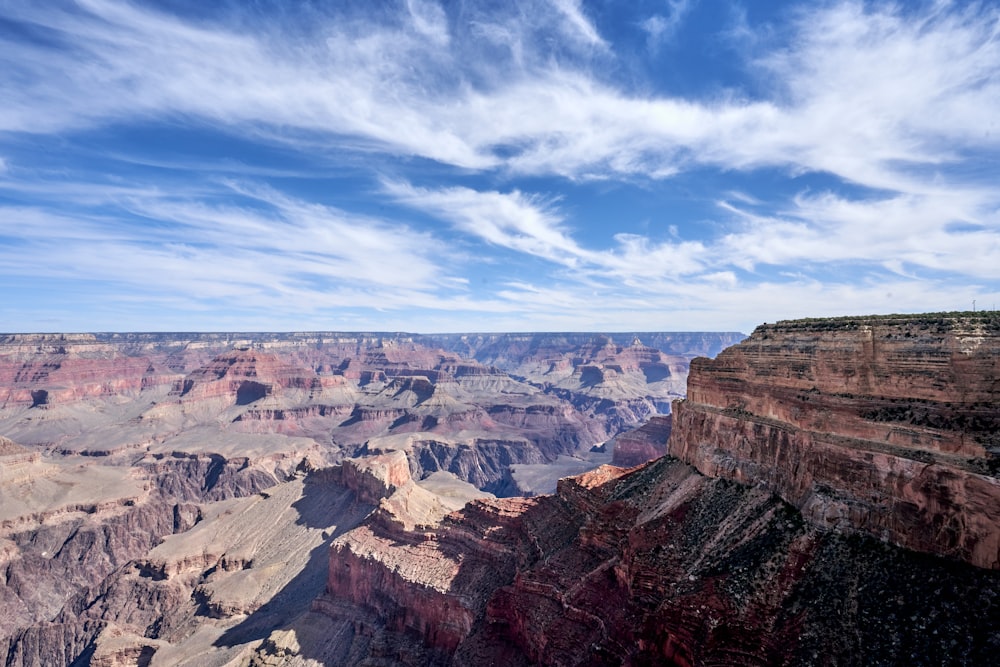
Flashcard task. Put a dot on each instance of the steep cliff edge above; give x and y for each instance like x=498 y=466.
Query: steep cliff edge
x=824 y=457
x=874 y=426
x=885 y=425
x=653 y=565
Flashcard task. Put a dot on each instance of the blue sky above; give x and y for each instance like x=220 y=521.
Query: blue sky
x=514 y=165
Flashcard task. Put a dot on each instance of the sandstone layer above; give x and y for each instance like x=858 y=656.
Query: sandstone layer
x=883 y=450
x=887 y=425
x=314 y=499
x=659 y=565
x=622 y=379
x=154 y=487
x=324 y=396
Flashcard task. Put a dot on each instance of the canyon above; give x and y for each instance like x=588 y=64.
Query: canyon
x=886 y=425
x=157 y=488
x=822 y=492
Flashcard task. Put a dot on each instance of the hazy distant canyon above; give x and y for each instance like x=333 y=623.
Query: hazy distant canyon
x=823 y=492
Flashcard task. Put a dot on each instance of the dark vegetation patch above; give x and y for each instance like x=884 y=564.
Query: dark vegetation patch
x=882 y=605
x=928 y=322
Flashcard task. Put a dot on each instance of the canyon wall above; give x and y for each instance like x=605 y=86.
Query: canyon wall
x=836 y=505
x=829 y=497
x=544 y=395
x=152 y=484
x=653 y=565
x=645 y=443
x=886 y=425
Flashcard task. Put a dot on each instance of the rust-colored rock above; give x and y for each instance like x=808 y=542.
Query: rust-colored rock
x=664 y=565
x=886 y=425
x=645 y=443
x=158 y=488
x=657 y=565
x=226 y=523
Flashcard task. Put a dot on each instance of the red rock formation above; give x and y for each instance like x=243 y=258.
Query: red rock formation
x=654 y=565
x=433 y=585
x=884 y=425
x=659 y=565
x=344 y=388
x=511 y=351
x=612 y=378
x=249 y=375
x=51 y=369
x=662 y=565
x=56 y=379
x=645 y=443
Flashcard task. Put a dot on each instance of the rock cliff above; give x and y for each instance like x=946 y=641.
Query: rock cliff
x=324 y=396
x=887 y=425
x=613 y=377
x=158 y=490
x=658 y=565
x=839 y=508
x=829 y=499
x=645 y=443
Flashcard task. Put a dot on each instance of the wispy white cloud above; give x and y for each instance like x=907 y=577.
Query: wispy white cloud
x=513 y=220
x=860 y=92
x=127 y=63
x=868 y=93
x=300 y=262
x=953 y=230
x=895 y=102
x=272 y=250
x=897 y=244
x=714 y=302
x=578 y=24
x=385 y=87
x=533 y=225
x=661 y=28
x=430 y=20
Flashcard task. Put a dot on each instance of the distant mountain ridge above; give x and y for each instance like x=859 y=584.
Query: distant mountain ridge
x=700 y=344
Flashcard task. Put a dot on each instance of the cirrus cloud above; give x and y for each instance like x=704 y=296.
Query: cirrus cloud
x=854 y=159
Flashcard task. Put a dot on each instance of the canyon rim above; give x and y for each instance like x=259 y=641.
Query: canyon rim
x=823 y=492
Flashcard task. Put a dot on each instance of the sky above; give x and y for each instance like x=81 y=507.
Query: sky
x=509 y=165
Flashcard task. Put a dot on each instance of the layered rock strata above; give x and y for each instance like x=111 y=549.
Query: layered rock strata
x=886 y=425
x=110 y=443
x=202 y=582
x=613 y=377
x=705 y=564
x=324 y=396
x=659 y=565
x=645 y=443
x=89 y=534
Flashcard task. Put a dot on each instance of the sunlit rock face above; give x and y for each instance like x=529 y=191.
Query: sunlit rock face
x=656 y=565
x=621 y=379
x=170 y=499
x=889 y=426
x=546 y=395
x=720 y=561
x=298 y=501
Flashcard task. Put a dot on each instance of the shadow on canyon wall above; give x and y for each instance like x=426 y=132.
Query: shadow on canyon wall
x=324 y=505
x=729 y=571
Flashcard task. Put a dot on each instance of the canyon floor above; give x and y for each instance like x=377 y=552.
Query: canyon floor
x=823 y=492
